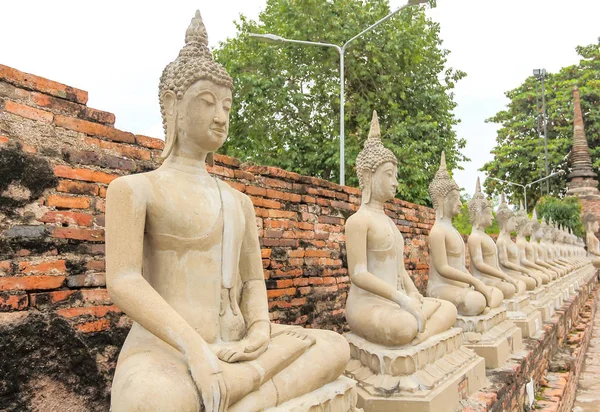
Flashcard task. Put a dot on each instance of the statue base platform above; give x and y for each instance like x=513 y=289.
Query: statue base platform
x=430 y=377
x=524 y=315
x=492 y=336
x=543 y=300
x=339 y=395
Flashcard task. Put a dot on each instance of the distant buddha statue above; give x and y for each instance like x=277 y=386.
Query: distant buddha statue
x=537 y=233
x=547 y=246
x=482 y=248
x=184 y=263
x=383 y=305
x=448 y=277
x=508 y=251
x=591 y=228
x=526 y=253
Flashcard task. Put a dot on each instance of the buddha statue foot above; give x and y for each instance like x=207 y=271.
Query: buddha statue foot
x=431 y=376
x=499 y=336
x=337 y=396
x=524 y=315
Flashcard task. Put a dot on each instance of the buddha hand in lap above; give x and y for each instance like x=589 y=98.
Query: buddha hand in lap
x=383 y=305
x=482 y=249
x=448 y=277
x=508 y=251
x=183 y=262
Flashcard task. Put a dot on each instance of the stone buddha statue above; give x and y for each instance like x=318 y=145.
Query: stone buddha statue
x=508 y=251
x=549 y=241
x=482 y=249
x=591 y=228
x=448 y=277
x=183 y=262
x=526 y=253
x=538 y=254
x=383 y=305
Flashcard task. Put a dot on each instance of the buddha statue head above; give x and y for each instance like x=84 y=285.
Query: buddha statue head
x=376 y=167
x=590 y=223
x=480 y=210
x=547 y=229
x=536 y=228
x=444 y=192
x=505 y=216
x=522 y=222
x=195 y=95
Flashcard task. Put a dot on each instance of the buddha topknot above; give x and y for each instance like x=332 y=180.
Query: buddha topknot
x=503 y=214
x=374 y=153
x=442 y=183
x=477 y=204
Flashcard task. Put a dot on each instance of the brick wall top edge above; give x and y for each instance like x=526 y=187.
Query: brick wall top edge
x=37 y=83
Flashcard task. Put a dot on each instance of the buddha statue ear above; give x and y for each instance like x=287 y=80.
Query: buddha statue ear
x=169 y=101
x=210 y=159
x=367 y=186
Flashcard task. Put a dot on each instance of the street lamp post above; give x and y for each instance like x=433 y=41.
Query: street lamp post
x=527 y=185
x=272 y=38
x=540 y=74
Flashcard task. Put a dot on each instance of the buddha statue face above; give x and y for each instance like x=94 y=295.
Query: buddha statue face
x=452 y=204
x=486 y=217
x=444 y=192
x=480 y=211
x=510 y=225
x=384 y=182
x=200 y=118
x=591 y=226
x=527 y=229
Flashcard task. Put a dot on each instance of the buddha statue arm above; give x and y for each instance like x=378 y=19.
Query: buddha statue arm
x=592 y=242
x=476 y=255
x=356 y=247
x=125 y=223
x=409 y=286
x=439 y=259
x=505 y=261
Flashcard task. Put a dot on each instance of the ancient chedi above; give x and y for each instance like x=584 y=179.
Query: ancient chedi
x=201 y=338
x=480 y=312
x=582 y=181
x=484 y=265
x=394 y=327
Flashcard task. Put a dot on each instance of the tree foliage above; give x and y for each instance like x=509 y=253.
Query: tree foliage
x=519 y=151
x=566 y=212
x=286 y=100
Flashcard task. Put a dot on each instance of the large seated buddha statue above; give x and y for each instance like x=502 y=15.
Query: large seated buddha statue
x=482 y=248
x=184 y=263
x=389 y=318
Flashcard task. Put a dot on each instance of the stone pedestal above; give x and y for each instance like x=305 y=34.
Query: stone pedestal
x=492 y=336
x=339 y=395
x=524 y=315
x=543 y=301
x=430 y=377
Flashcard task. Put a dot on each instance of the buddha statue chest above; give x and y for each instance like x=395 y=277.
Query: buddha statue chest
x=383 y=239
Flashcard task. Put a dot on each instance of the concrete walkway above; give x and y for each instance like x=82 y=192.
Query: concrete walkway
x=588 y=388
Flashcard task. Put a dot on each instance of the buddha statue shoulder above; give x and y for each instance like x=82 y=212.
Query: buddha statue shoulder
x=482 y=248
x=383 y=304
x=448 y=277
x=508 y=251
x=526 y=253
x=183 y=262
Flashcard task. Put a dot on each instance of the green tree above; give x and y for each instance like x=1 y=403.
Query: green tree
x=286 y=100
x=566 y=212
x=519 y=151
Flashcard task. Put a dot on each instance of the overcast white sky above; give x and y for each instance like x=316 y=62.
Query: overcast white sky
x=116 y=51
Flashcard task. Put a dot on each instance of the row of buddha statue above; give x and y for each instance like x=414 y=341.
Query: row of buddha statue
x=184 y=263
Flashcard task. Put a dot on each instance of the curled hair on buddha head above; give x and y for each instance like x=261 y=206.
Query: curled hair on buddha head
x=503 y=214
x=442 y=184
x=373 y=155
x=195 y=62
x=477 y=204
x=521 y=218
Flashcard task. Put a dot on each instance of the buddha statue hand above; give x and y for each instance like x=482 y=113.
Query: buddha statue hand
x=249 y=348
x=485 y=291
x=208 y=377
x=413 y=306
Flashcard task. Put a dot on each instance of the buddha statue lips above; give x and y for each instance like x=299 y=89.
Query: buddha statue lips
x=201 y=338
x=383 y=303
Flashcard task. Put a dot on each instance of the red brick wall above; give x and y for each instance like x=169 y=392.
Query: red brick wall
x=51 y=235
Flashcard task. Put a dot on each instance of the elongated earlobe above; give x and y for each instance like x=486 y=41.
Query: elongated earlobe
x=366 y=193
x=210 y=159
x=170 y=104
